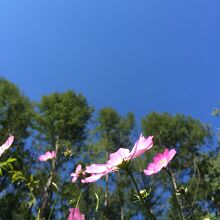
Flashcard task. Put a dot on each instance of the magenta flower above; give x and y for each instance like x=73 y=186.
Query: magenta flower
x=161 y=160
x=143 y=144
x=118 y=159
x=77 y=173
x=47 y=156
x=75 y=214
x=96 y=171
x=6 y=145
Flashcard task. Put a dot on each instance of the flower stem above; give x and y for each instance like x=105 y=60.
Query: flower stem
x=190 y=205
x=175 y=195
x=77 y=203
x=143 y=201
x=55 y=201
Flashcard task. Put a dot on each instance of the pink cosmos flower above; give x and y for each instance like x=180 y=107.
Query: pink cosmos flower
x=96 y=171
x=77 y=173
x=118 y=159
x=47 y=156
x=161 y=160
x=6 y=145
x=75 y=214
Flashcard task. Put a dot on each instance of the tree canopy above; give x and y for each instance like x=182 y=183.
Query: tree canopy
x=66 y=127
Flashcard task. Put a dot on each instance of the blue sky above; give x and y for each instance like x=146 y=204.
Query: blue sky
x=139 y=56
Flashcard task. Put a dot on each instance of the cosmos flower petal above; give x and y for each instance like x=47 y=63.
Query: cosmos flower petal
x=97 y=168
x=161 y=160
x=78 y=168
x=77 y=173
x=117 y=158
x=158 y=158
x=151 y=169
x=143 y=144
x=75 y=214
x=92 y=178
x=42 y=158
x=74 y=179
x=171 y=154
x=7 y=144
x=47 y=156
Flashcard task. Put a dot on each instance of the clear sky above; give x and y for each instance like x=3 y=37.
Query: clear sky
x=139 y=56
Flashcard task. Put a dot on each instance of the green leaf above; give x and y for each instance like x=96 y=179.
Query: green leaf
x=97 y=202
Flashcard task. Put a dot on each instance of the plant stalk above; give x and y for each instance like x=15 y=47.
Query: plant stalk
x=175 y=195
x=143 y=201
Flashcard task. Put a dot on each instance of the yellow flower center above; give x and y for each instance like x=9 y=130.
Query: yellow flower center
x=163 y=161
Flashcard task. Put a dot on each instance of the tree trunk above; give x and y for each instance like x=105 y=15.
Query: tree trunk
x=122 y=212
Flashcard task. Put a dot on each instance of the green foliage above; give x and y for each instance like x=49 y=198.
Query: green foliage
x=64 y=115
x=187 y=136
x=210 y=185
x=176 y=131
x=114 y=129
x=216 y=111
x=60 y=123
x=112 y=132
x=15 y=111
x=7 y=165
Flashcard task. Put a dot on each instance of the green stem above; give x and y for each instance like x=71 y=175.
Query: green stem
x=55 y=201
x=175 y=195
x=77 y=203
x=143 y=201
x=190 y=205
x=198 y=182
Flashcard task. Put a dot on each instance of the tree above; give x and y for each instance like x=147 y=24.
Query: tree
x=61 y=120
x=183 y=133
x=209 y=184
x=113 y=132
x=210 y=175
x=16 y=118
